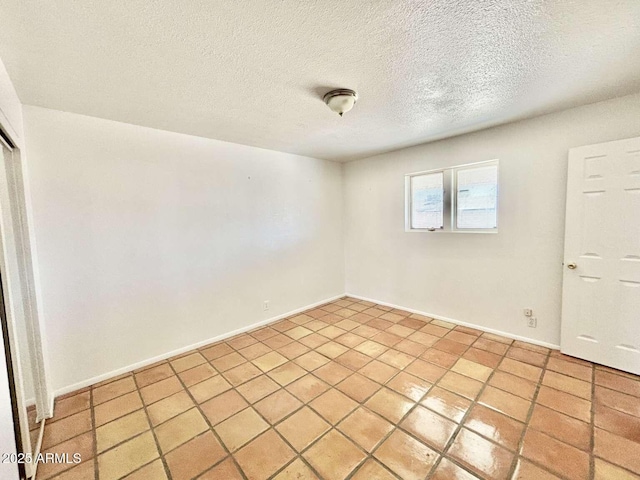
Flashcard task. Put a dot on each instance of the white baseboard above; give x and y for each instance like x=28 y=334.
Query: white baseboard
x=173 y=353
x=164 y=356
x=459 y=322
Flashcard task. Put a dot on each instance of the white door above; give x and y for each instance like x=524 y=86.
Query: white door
x=601 y=284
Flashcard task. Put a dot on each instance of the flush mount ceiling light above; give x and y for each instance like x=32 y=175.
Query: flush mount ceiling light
x=341 y=100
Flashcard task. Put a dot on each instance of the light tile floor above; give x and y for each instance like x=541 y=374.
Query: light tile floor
x=353 y=390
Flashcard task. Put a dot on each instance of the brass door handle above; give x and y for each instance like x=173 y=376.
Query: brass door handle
x=572 y=266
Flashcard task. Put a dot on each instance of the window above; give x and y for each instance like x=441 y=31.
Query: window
x=455 y=199
x=427 y=197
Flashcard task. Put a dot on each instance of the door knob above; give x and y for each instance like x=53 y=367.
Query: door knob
x=572 y=266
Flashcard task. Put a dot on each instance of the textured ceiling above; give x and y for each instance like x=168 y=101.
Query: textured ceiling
x=254 y=72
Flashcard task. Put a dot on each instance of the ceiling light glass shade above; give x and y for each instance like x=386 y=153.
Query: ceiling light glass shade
x=341 y=101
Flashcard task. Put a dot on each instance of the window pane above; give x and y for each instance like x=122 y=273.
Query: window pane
x=477 y=197
x=427 y=196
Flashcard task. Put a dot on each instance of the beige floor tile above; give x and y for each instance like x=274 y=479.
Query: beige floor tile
x=495 y=426
x=333 y=405
x=302 y=428
x=334 y=456
x=358 y=387
x=567 y=384
x=216 y=351
x=389 y=404
x=296 y=470
x=564 y=403
x=481 y=456
x=617 y=450
x=626 y=384
x=241 y=428
x=526 y=470
x=429 y=427
x=404 y=455
x=564 y=428
x=195 y=456
x=293 y=350
x=353 y=359
x=513 y=384
x=84 y=471
x=112 y=390
x=223 y=406
x=254 y=351
x=227 y=470
x=607 y=471
x=187 y=361
x=371 y=469
x=277 y=406
x=227 y=362
x=311 y=360
x=153 y=375
x=425 y=371
x=82 y=444
x=242 y=373
x=472 y=369
x=506 y=403
x=197 y=374
x=520 y=369
x=241 y=341
x=409 y=385
x=258 y=388
x=127 y=457
x=365 y=428
x=447 y=470
x=270 y=361
x=203 y=391
x=180 y=429
x=307 y=388
x=70 y=405
x=66 y=428
x=555 y=456
x=169 y=407
x=331 y=349
x=396 y=359
x=116 y=408
x=287 y=373
x=152 y=471
x=117 y=431
x=371 y=348
x=159 y=390
x=264 y=456
x=333 y=373
x=378 y=371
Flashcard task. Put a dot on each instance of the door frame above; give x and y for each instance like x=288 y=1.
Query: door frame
x=25 y=274
x=25 y=277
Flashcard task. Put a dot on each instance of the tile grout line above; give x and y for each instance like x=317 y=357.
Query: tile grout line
x=94 y=428
x=206 y=419
x=396 y=425
x=155 y=437
x=527 y=422
x=460 y=425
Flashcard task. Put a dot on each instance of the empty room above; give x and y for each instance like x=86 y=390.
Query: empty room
x=320 y=240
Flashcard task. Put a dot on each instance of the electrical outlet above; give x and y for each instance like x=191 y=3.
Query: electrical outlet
x=528 y=312
x=532 y=322
x=265 y=305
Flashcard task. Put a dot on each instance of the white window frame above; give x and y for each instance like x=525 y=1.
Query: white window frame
x=450 y=177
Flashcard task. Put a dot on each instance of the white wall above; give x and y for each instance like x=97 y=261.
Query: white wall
x=149 y=241
x=478 y=278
